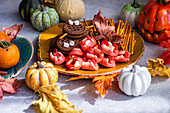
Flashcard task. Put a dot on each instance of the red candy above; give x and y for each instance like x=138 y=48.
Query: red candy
x=109 y=48
x=123 y=56
x=87 y=43
x=90 y=65
x=57 y=57
x=74 y=62
x=95 y=53
x=108 y=62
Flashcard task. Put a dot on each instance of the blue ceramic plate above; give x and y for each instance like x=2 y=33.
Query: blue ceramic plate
x=26 y=52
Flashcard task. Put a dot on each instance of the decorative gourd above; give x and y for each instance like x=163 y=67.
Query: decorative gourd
x=4 y=36
x=70 y=9
x=9 y=54
x=134 y=80
x=154 y=20
x=39 y=74
x=44 y=17
x=26 y=7
x=130 y=12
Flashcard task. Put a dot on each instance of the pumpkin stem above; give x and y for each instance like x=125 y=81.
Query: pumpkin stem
x=4 y=44
x=42 y=8
x=135 y=4
x=39 y=65
x=134 y=69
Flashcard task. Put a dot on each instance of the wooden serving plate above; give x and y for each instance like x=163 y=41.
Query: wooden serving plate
x=26 y=52
x=44 y=50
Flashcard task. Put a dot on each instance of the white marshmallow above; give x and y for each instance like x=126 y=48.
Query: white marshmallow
x=66 y=44
x=71 y=43
x=70 y=22
x=76 y=22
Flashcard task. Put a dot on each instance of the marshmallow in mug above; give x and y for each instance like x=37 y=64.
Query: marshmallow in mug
x=73 y=22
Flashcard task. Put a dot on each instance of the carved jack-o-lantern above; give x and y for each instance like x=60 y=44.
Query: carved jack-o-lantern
x=154 y=20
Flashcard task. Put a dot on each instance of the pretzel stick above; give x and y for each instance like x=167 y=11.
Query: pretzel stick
x=65 y=34
x=127 y=42
x=85 y=22
x=122 y=23
x=123 y=29
x=98 y=42
x=118 y=27
x=130 y=43
x=133 y=42
x=94 y=28
x=88 y=27
x=125 y=35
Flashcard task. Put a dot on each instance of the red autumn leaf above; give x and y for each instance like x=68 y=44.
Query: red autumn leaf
x=165 y=55
x=101 y=25
x=9 y=85
x=165 y=44
x=12 y=31
x=103 y=83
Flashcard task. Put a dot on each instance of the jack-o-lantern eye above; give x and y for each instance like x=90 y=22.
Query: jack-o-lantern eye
x=143 y=12
x=148 y=21
x=156 y=19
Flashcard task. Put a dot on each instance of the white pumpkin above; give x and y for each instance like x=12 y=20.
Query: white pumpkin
x=70 y=9
x=134 y=80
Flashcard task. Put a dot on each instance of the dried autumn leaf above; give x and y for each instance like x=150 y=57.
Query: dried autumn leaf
x=52 y=100
x=156 y=67
x=103 y=83
x=165 y=55
x=9 y=85
x=12 y=31
x=101 y=25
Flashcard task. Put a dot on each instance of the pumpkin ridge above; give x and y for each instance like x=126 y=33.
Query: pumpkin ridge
x=43 y=78
x=34 y=20
x=55 y=16
x=29 y=79
x=144 y=84
x=41 y=24
x=35 y=74
x=128 y=82
x=148 y=17
x=49 y=75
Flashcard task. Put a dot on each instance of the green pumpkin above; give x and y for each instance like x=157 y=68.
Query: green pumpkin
x=130 y=13
x=44 y=17
x=26 y=7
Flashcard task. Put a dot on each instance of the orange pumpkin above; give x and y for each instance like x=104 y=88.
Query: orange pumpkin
x=4 y=36
x=154 y=21
x=9 y=54
x=41 y=73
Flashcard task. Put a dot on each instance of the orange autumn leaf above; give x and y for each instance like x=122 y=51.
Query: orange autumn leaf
x=103 y=83
x=79 y=77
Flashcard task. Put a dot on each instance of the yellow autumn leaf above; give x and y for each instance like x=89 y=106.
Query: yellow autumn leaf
x=156 y=67
x=52 y=100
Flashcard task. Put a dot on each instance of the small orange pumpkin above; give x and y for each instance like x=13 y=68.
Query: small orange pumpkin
x=4 y=36
x=9 y=54
x=41 y=73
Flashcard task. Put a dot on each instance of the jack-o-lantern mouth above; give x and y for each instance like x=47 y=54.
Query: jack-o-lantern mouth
x=154 y=33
